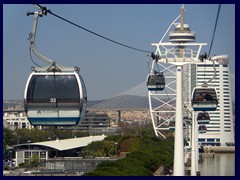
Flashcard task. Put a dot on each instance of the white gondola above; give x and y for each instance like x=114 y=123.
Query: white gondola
x=203 y=118
x=202 y=128
x=204 y=99
x=155 y=81
x=54 y=95
x=55 y=98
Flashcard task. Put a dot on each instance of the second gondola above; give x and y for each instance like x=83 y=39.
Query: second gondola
x=204 y=99
x=155 y=81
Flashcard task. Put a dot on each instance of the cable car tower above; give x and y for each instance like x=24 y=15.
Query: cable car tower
x=54 y=95
x=179 y=51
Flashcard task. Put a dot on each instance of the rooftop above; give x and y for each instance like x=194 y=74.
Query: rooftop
x=66 y=144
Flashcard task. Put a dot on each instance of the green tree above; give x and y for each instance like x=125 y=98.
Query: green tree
x=145 y=156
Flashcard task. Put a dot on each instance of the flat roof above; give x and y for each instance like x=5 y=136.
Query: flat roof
x=66 y=144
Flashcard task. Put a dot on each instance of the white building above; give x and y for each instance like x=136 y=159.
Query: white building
x=16 y=118
x=44 y=150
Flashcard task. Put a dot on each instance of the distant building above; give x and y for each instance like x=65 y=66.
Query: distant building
x=95 y=123
x=50 y=149
x=94 y=120
x=16 y=119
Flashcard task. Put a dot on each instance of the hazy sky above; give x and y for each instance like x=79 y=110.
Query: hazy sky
x=107 y=68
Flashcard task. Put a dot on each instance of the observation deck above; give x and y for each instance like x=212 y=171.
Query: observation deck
x=184 y=35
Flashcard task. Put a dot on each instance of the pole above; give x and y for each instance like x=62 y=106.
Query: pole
x=115 y=149
x=193 y=153
x=178 y=168
x=197 y=150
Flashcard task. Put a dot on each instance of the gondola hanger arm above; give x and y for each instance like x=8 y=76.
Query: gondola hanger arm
x=32 y=35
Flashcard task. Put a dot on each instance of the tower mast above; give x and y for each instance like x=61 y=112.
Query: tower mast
x=179 y=51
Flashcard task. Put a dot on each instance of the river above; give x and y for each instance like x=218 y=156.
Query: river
x=220 y=165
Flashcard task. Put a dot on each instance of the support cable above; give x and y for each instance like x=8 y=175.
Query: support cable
x=92 y=32
x=219 y=7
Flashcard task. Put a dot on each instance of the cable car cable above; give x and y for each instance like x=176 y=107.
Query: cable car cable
x=219 y=7
x=94 y=33
x=214 y=31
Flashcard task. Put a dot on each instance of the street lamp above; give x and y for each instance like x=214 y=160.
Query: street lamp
x=115 y=150
x=29 y=141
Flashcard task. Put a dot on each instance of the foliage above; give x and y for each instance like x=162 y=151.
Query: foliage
x=100 y=149
x=129 y=144
x=146 y=153
x=115 y=138
x=123 y=167
x=34 y=159
x=145 y=157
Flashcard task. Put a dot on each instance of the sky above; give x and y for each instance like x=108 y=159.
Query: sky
x=106 y=68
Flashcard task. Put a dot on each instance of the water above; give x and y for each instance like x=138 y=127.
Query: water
x=220 y=165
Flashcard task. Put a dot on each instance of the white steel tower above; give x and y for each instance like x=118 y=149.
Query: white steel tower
x=180 y=51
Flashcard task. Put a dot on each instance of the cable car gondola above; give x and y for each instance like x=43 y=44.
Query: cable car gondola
x=54 y=95
x=155 y=81
x=55 y=98
x=203 y=118
x=204 y=99
x=202 y=128
x=172 y=125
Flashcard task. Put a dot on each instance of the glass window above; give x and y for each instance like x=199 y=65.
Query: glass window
x=209 y=140
x=43 y=155
x=208 y=94
x=207 y=65
x=16 y=125
x=61 y=87
x=227 y=130
x=23 y=125
x=27 y=154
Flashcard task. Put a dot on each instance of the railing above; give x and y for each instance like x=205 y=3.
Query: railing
x=179 y=53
